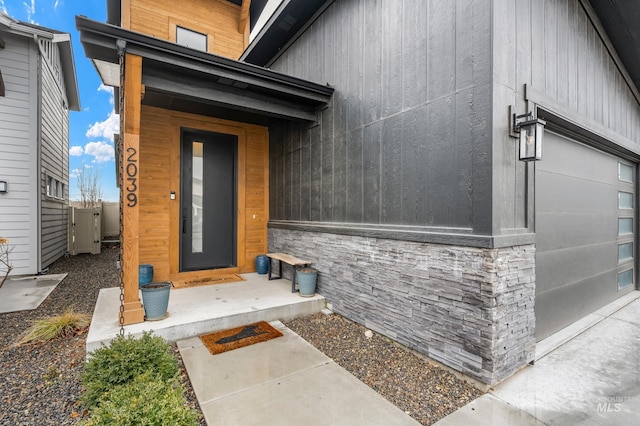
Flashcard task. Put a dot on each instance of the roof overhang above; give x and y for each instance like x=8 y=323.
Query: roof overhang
x=179 y=78
x=288 y=21
x=621 y=21
x=63 y=40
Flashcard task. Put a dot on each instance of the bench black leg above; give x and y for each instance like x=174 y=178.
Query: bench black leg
x=271 y=276
x=293 y=279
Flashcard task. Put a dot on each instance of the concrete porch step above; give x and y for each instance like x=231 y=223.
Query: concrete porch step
x=198 y=310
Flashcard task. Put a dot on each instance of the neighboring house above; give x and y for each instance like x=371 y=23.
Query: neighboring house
x=378 y=143
x=38 y=87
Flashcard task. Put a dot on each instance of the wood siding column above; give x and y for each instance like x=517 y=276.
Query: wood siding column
x=133 y=312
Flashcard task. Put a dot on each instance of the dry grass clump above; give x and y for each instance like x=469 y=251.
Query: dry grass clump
x=67 y=324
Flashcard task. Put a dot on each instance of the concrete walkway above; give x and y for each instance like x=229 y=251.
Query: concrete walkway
x=25 y=293
x=284 y=381
x=590 y=377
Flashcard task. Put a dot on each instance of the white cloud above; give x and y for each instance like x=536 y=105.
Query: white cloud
x=74 y=173
x=55 y=5
x=30 y=8
x=107 y=89
x=105 y=129
x=76 y=151
x=102 y=151
x=3 y=8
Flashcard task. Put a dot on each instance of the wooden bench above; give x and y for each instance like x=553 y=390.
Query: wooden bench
x=289 y=260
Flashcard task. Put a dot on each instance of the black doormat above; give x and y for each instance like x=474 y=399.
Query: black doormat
x=227 y=340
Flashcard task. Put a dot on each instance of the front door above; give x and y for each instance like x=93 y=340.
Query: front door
x=208 y=201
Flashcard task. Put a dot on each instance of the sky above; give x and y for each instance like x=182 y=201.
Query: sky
x=91 y=129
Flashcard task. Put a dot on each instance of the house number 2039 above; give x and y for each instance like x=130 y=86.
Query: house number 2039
x=131 y=170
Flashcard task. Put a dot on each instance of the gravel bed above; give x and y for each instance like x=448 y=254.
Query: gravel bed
x=41 y=382
x=420 y=388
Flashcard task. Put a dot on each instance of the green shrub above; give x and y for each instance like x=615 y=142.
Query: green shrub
x=147 y=400
x=122 y=361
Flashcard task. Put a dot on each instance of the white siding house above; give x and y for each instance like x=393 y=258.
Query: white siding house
x=38 y=87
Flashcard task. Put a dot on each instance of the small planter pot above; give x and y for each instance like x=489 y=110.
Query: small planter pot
x=155 y=298
x=307 y=279
x=262 y=264
x=145 y=274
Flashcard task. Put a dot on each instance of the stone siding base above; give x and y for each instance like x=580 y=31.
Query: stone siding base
x=471 y=309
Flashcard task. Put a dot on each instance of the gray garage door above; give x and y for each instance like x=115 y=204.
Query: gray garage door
x=585 y=203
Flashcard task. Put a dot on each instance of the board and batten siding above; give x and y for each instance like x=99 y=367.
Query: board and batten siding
x=54 y=157
x=406 y=140
x=18 y=152
x=555 y=49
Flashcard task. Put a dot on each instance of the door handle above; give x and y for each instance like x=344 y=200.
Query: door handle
x=184 y=224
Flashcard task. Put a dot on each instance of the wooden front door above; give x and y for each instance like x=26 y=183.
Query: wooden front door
x=208 y=236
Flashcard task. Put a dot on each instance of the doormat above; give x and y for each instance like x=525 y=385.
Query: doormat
x=222 y=279
x=227 y=340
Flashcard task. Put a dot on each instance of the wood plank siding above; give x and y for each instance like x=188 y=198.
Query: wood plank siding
x=554 y=48
x=405 y=141
x=218 y=19
x=18 y=151
x=54 y=157
x=160 y=142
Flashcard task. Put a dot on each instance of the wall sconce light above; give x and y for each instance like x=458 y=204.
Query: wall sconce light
x=530 y=133
x=3 y=186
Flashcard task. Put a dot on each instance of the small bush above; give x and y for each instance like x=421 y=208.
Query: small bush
x=147 y=400
x=122 y=361
x=63 y=325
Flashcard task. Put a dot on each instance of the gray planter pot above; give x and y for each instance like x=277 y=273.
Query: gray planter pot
x=155 y=298
x=307 y=279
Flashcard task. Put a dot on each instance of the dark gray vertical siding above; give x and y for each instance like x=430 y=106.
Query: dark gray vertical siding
x=406 y=139
x=557 y=52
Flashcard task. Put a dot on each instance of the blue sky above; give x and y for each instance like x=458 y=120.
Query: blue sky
x=92 y=129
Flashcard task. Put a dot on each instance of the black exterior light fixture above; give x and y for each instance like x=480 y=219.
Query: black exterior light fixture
x=3 y=186
x=530 y=134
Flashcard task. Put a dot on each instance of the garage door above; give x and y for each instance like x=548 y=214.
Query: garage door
x=585 y=203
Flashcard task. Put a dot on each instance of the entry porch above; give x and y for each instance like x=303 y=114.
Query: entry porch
x=198 y=310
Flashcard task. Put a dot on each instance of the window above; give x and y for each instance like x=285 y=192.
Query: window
x=625 y=225
x=625 y=279
x=192 y=39
x=55 y=188
x=625 y=252
x=625 y=200
x=49 y=186
x=625 y=172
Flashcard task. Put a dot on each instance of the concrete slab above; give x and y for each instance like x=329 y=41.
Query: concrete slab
x=489 y=411
x=284 y=381
x=27 y=293
x=258 y=363
x=198 y=310
x=554 y=341
x=631 y=314
x=591 y=379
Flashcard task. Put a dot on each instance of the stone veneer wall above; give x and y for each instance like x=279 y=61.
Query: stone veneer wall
x=469 y=308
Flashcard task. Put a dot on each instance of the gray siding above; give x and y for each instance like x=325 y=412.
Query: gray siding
x=18 y=152
x=406 y=140
x=554 y=49
x=54 y=152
